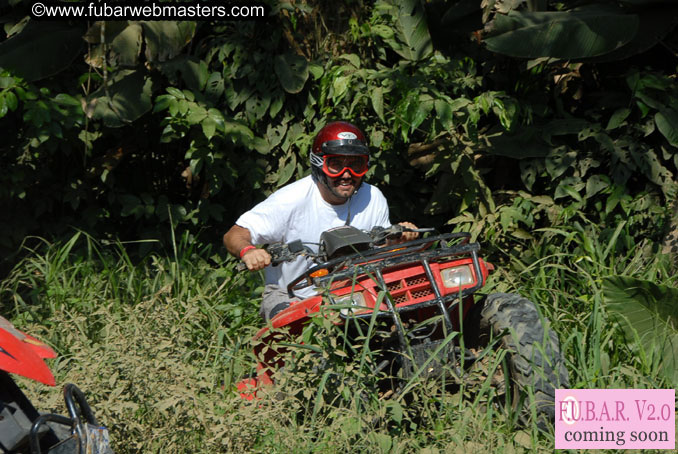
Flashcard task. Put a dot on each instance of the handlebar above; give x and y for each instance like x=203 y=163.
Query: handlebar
x=381 y=234
x=283 y=252
x=286 y=252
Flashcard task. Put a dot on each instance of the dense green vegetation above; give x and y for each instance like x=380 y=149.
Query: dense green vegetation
x=132 y=150
x=159 y=345
x=142 y=127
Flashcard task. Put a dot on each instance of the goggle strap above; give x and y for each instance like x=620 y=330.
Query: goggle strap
x=316 y=160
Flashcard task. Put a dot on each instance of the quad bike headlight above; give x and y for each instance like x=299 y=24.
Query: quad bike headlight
x=457 y=276
x=352 y=299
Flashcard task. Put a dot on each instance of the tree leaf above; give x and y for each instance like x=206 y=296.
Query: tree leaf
x=648 y=314
x=214 y=87
x=422 y=108
x=564 y=126
x=377 y=97
x=130 y=98
x=382 y=440
x=11 y=101
x=525 y=144
x=257 y=106
x=444 y=113
x=165 y=39
x=549 y=34
x=196 y=115
x=340 y=86
x=411 y=39
x=396 y=411
x=316 y=71
x=618 y=118
x=655 y=23
x=595 y=184
x=175 y=92
x=194 y=72
x=276 y=104
x=67 y=100
x=126 y=46
x=287 y=171
x=521 y=234
x=667 y=123
x=238 y=132
x=292 y=71
x=558 y=163
x=383 y=31
x=459 y=103
x=209 y=127
x=3 y=107
x=42 y=49
x=352 y=58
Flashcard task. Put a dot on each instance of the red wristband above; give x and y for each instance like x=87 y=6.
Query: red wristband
x=245 y=249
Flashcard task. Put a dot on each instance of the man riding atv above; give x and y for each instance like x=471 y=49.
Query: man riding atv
x=333 y=195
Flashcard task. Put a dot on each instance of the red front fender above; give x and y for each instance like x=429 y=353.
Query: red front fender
x=23 y=355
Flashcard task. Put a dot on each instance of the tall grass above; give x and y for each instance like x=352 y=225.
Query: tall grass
x=158 y=344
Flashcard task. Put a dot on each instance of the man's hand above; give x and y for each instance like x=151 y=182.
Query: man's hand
x=239 y=239
x=408 y=236
x=256 y=259
x=405 y=236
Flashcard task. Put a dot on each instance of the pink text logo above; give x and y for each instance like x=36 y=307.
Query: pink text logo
x=615 y=419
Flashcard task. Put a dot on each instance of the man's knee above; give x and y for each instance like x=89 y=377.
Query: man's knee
x=273 y=300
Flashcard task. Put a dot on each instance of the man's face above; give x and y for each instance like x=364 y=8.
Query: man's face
x=344 y=185
x=344 y=174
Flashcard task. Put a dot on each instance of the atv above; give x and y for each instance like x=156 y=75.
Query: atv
x=423 y=297
x=22 y=428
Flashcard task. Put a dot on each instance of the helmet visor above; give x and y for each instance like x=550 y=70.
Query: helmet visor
x=345 y=146
x=335 y=165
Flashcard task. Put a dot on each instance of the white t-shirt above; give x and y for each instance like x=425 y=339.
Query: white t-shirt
x=298 y=212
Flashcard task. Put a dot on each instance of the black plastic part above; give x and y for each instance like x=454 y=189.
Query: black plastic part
x=295 y=246
x=342 y=241
x=73 y=395
x=79 y=411
x=278 y=308
x=16 y=415
x=40 y=422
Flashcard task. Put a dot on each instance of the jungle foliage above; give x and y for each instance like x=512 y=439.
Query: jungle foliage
x=559 y=154
x=158 y=345
x=128 y=129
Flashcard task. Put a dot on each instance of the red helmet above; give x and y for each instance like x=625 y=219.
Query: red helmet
x=339 y=138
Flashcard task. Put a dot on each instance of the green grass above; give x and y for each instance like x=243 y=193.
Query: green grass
x=158 y=345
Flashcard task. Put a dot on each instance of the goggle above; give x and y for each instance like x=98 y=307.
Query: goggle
x=335 y=165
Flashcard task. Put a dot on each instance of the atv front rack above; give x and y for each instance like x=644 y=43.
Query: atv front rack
x=375 y=262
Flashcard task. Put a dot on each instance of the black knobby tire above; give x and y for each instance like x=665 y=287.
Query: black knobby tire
x=535 y=362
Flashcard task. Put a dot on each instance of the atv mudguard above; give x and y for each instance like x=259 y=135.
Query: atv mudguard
x=294 y=317
x=24 y=355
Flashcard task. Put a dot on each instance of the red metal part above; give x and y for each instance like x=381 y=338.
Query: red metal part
x=294 y=318
x=24 y=355
x=407 y=285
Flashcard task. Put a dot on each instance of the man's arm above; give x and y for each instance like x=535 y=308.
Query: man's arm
x=237 y=239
